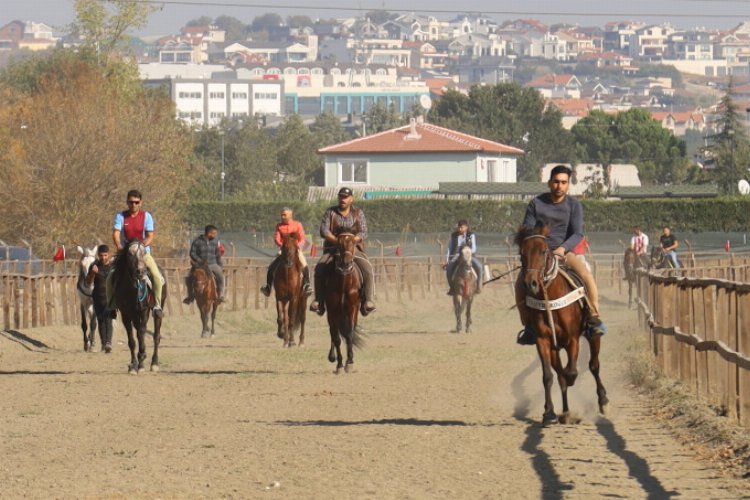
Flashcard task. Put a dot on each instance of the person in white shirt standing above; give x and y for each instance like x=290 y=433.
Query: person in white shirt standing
x=639 y=243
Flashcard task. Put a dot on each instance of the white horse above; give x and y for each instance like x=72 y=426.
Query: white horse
x=88 y=318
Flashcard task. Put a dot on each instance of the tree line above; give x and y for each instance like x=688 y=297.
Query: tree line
x=78 y=129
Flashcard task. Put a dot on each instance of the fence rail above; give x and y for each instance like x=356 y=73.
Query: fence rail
x=700 y=334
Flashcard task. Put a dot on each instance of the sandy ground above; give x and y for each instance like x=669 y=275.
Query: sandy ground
x=427 y=414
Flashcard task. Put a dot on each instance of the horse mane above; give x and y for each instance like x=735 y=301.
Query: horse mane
x=526 y=231
x=120 y=262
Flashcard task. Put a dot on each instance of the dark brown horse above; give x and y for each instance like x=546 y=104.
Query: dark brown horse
x=291 y=301
x=204 y=291
x=463 y=287
x=631 y=262
x=557 y=326
x=342 y=296
x=135 y=301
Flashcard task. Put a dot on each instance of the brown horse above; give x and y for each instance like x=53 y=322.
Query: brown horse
x=204 y=291
x=291 y=300
x=630 y=263
x=342 y=296
x=558 y=326
x=463 y=287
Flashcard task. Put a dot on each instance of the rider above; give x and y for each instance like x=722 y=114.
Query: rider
x=288 y=226
x=97 y=276
x=564 y=215
x=460 y=237
x=136 y=224
x=206 y=249
x=344 y=218
x=669 y=244
x=639 y=243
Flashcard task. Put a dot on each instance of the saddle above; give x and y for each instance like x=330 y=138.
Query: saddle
x=578 y=294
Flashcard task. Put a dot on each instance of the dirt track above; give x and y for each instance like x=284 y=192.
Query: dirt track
x=427 y=414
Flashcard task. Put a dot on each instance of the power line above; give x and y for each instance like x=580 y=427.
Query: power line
x=452 y=11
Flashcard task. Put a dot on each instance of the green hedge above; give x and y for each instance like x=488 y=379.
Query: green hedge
x=487 y=216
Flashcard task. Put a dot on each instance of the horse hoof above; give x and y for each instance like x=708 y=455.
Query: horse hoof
x=204 y=335
x=348 y=368
x=154 y=368
x=569 y=419
x=603 y=408
x=549 y=419
x=132 y=371
x=336 y=371
x=291 y=344
x=141 y=369
x=331 y=358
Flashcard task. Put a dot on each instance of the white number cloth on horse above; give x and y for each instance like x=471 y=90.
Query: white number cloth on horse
x=565 y=301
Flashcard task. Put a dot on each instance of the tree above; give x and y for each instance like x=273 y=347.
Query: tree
x=380 y=118
x=379 y=16
x=103 y=25
x=235 y=30
x=298 y=21
x=266 y=22
x=77 y=143
x=632 y=137
x=201 y=21
x=730 y=147
x=512 y=115
x=296 y=152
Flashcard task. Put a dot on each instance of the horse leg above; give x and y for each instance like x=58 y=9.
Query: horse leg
x=213 y=317
x=545 y=354
x=601 y=392
x=457 y=312
x=302 y=313
x=469 y=300
x=336 y=344
x=562 y=380
x=92 y=328
x=291 y=313
x=204 y=320
x=84 y=328
x=133 y=366
x=350 y=341
x=280 y=320
x=157 y=341
x=141 y=330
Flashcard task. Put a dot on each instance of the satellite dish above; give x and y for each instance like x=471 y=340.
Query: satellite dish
x=425 y=101
x=743 y=186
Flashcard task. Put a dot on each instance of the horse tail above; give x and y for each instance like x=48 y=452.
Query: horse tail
x=296 y=314
x=358 y=340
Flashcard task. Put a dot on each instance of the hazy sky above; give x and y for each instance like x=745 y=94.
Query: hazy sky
x=680 y=13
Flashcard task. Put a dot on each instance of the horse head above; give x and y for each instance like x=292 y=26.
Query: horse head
x=535 y=256
x=345 y=256
x=289 y=249
x=466 y=255
x=88 y=256
x=134 y=252
x=657 y=257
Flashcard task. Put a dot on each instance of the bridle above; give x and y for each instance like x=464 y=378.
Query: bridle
x=551 y=264
x=342 y=266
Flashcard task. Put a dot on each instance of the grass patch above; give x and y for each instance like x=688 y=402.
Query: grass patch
x=697 y=424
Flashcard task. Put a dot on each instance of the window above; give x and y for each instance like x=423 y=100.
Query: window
x=190 y=95
x=239 y=95
x=354 y=171
x=217 y=114
x=266 y=95
x=216 y=95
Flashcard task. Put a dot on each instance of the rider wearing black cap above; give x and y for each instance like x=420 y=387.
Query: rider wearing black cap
x=338 y=219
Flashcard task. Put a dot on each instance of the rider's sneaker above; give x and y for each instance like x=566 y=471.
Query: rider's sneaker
x=527 y=336
x=595 y=328
x=265 y=290
x=158 y=312
x=367 y=308
x=307 y=289
x=187 y=301
x=317 y=308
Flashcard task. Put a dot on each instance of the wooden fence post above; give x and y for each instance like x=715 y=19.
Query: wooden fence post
x=743 y=346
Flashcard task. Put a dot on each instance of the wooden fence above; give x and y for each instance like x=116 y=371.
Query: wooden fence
x=44 y=294
x=700 y=334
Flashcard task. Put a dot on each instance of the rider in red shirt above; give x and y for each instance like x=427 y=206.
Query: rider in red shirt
x=288 y=226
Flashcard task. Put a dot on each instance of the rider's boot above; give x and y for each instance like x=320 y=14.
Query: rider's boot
x=306 y=287
x=266 y=289
x=527 y=336
x=368 y=305
x=594 y=324
x=189 y=287
x=318 y=305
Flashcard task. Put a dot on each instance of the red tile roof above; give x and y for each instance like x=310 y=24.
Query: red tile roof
x=550 y=79
x=432 y=139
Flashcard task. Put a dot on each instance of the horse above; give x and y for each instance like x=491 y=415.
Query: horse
x=557 y=318
x=463 y=287
x=630 y=263
x=85 y=298
x=204 y=291
x=343 y=298
x=659 y=260
x=291 y=301
x=135 y=302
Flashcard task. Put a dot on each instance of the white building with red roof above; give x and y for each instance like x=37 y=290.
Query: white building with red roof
x=420 y=154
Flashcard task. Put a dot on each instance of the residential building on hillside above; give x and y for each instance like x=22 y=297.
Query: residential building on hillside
x=488 y=70
x=617 y=35
x=690 y=45
x=11 y=34
x=650 y=42
x=586 y=175
x=557 y=86
x=419 y=154
x=679 y=122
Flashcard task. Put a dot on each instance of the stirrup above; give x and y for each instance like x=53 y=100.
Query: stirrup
x=527 y=336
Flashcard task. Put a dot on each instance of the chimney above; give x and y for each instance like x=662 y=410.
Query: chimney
x=413 y=135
